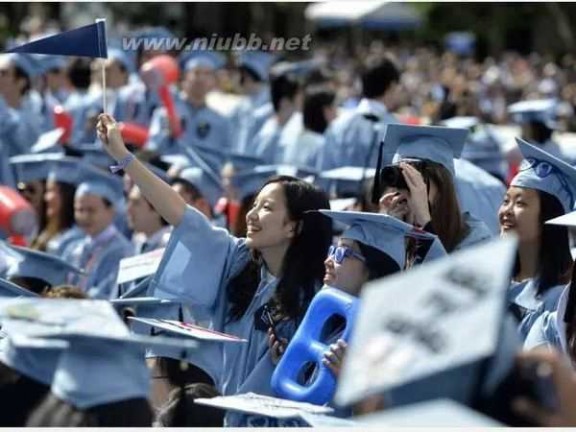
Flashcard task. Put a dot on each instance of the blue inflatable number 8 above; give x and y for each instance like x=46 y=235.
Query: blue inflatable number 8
x=308 y=346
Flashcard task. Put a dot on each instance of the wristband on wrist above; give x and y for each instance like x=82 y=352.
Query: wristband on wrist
x=122 y=163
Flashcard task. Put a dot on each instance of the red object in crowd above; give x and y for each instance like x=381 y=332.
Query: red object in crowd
x=63 y=120
x=165 y=65
x=229 y=208
x=173 y=119
x=17 y=217
x=134 y=134
x=512 y=171
x=411 y=120
x=18 y=241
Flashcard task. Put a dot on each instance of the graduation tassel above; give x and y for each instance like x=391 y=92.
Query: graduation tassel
x=103 y=87
x=376 y=192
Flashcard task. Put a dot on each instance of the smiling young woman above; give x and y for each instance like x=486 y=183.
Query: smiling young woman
x=229 y=280
x=542 y=190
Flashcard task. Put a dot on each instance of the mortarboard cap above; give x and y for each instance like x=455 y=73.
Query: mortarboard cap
x=206 y=59
x=483 y=150
x=104 y=362
x=66 y=169
x=242 y=162
x=544 y=172
x=33 y=358
x=540 y=110
x=93 y=154
x=213 y=157
x=25 y=62
x=9 y=289
x=31 y=167
x=482 y=147
x=434 y=143
x=380 y=231
x=568 y=220
x=40 y=265
x=250 y=182
x=102 y=184
x=461 y=122
x=441 y=350
x=258 y=62
x=207 y=184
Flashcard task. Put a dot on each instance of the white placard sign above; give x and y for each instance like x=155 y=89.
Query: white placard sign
x=440 y=315
x=139 y=266
x=252 y=403
x=188 y=329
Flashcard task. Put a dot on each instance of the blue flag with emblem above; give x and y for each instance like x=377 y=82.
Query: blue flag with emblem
x=87 y=41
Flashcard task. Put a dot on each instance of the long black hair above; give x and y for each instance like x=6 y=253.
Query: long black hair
x=554 y=257
x=303 y=264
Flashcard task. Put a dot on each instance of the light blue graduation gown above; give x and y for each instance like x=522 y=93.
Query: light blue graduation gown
x=351 y=137
x=272 y=139
x=549 y=328
x=19 y=129
x=478 y=233
x=199 y=262
x=479 y=193
x=201 y=126
x=102 y=255
x=34 y=363
x=304 y=150
x=58 y=244
x=248 y=118
x=524 y=296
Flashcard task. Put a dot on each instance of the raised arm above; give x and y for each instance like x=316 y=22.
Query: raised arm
x=163 y=198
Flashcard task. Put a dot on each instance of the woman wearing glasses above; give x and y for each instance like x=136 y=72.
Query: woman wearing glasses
x=543 y=189
x=227 y=281
x=421 y=189
x=372 y=246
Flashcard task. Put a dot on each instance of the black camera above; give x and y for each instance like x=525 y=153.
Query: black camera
x=391 y=176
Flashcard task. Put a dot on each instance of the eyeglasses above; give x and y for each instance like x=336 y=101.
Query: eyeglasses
x=543 y=169
x=340 y=253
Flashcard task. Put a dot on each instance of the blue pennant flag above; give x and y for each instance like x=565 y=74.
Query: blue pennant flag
x=87 y=41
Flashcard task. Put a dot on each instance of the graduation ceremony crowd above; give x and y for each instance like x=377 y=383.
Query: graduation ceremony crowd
x=264 y=181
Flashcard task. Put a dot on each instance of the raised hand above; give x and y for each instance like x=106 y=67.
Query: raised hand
x=418 y=199
x=334 y=356
x=395 y=204
x=109 y=134
x=277 y=347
